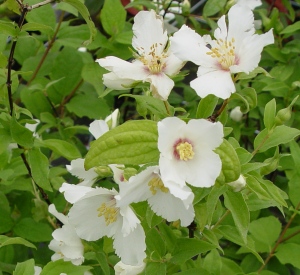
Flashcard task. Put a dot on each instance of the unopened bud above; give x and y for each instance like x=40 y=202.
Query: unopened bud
x=236 y=114
x=283 y=116
x=103 y=171
x=239 y=184
x=186 y=7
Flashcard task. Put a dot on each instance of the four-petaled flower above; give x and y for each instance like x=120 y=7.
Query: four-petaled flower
x=236 y=49
x=154 y=62
x=186 y=151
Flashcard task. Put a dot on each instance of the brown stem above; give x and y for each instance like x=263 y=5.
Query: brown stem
x=40 y=4
x=280 y=239
x=50 y=44
x=219 y=112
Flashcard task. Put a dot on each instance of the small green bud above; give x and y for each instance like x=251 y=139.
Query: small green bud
x=186 y=7
x=103 y=171
x=283 y=116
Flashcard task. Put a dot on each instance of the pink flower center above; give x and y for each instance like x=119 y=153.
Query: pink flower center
x=183 y=150
x=224 y=52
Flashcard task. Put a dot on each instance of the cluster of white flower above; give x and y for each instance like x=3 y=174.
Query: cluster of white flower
x=186 y=149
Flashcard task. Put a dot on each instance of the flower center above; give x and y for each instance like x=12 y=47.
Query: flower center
x=224 y=53
x=154 y=59
x=157 y=184
x=184 y=150
x=109 y=211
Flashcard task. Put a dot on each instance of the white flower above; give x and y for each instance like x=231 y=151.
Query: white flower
x=32 y=127
x=186 y=151
x=77 y=169
x=66 y=244
x=236 y=49
x=236 y=114
x=124 y=269
x=99 y=127
x=154 y=61
x=118 y=172
x=251 y=4
x=37 y=270
x=239 y=184
x=148 y=185
x=95 y=215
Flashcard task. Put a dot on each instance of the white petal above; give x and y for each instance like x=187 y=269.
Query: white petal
x=252 y=4
x=84 y=216
x=129 y=219
x=148 y=30
x=173 y=65
x=131 y=249
x=77 y=169
x=123 y=69
x=221 y=31
x=172 y=208
x=112 y=81
x=98 y=128
x=250 y=52
x=218 y=83
x=187 y=45
x=73 y=193
x=52 y=210
x=112 y=119
x=161 y=85
x=124 y=269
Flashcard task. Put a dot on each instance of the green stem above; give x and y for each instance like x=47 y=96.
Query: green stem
x=167 y=108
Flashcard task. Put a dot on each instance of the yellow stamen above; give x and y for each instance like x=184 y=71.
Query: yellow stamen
x=109 y=212
x=157 y=184
x=185 y=151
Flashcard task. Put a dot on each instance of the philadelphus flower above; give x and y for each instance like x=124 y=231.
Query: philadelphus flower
x=124 y=269
x=236 y=49
x=148 y=185
x=154 y=62
x=95 y=215
x=66 y=244
x=186 y=152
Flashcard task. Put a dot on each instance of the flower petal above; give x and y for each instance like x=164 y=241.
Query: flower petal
x=72 y=192
x=52 y=210
x=129 y=220
x=173 y=65
x=217 y=82
x=131 y=249
x=161 y=85
x=98 y=128
x=148 y=30
x=112 y=81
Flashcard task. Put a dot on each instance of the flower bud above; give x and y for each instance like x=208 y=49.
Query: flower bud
x=239 y=184
x=236 y=114
x=103 y=171
x=283 y=115
x=185 y=7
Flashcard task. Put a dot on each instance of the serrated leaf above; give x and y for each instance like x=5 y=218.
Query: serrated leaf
x=235 y=202
x=269 y=114
x=282 y=134
x=61 y=147
x=58 y=267
x=206 y=106
x=134 y=142
x=4 y=240
x=86 y=16
x=231 y=167
x=185 y=249
x=113 y=16
x=21 y=134
x=39 y=165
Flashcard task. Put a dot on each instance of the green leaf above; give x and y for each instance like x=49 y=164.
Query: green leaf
x=155 y=268
x=231 y=167
x=291 y=29
x=185 y=249
x=213 y=6
x=21 y=134
x=5 y=139
x=155 y=243
x=168 y=236
x=282 y=134
x=86 y=16
x=212 y=262
x=37 y=27
x=4 y=240
x=269 y=114
x=235 y=202
x=265 y=232
x=151 y=104
x=254 y=185
x=24 y=268
x=39 y=165
x=6 y=222
x=206 y=106
x=61 y=147
x=9 y=28
x=29 y=229
x=288 y=253
x=134 y=142
x=58 y=267
x=250 y=96
x=113 y=16
x=102 y=260
x=193 y=271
